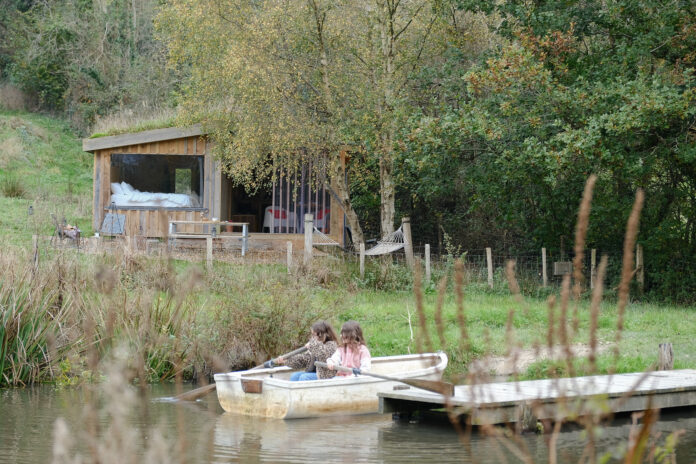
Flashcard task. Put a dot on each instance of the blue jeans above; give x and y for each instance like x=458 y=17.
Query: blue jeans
x=302 y=376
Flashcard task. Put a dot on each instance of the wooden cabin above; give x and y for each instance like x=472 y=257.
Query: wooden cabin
x=150 y=178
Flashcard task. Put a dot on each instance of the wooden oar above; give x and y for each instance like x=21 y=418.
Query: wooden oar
x=436 y=386
x=193 y=395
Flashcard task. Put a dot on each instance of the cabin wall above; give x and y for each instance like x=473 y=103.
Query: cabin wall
x=152 y=222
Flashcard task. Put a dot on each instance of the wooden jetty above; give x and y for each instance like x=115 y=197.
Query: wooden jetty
x=554 y=399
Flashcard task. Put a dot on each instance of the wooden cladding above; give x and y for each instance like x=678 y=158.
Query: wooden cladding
x=103 y=176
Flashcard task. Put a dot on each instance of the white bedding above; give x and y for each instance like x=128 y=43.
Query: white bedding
x=123 y=194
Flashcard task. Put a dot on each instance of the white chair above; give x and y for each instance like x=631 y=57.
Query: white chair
x=278 y=220
x=322 y=219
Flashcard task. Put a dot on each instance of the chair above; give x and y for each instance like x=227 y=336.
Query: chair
x=322 y=219
x=278 y=220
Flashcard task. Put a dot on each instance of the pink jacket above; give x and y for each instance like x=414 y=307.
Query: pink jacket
x=346 y=357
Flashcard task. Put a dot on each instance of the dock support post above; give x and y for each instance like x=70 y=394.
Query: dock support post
x=526 y=420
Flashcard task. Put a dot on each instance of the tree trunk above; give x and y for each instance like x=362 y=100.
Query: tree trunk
x=387 y=194
x=343 y=194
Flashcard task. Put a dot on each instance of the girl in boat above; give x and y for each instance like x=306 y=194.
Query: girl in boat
x=321 y=345
x=353 y=352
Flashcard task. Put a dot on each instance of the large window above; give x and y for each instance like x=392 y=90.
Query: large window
x=159 y=173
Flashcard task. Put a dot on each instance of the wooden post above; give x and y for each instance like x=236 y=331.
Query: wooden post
x=544 y=272
x=289 y=256
x=427 y=263
x=489 y=261
x=308 y=229
x=665 y=358
x=209 y=252
x=362 y=260
x=593 y=267
x=408 y=244
x=35 y=243
x=640 y=270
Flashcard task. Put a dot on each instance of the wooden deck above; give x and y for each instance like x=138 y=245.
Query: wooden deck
x=554 y=399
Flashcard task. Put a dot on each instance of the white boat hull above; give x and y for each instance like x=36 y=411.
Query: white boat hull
x=283 y=399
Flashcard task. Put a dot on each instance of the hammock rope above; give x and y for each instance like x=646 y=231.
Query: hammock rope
x=390 y=244
x=321 y=239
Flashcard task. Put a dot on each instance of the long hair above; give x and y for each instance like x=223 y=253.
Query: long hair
x=324 y=331
x=353 y=335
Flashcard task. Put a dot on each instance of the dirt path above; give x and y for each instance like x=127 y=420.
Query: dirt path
x=519 y=360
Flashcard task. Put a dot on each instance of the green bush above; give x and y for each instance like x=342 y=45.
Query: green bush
x=12 y=187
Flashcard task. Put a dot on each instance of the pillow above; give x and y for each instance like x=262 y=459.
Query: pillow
x=116 y=188
x=127 y=188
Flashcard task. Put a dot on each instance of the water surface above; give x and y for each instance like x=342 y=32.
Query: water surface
x=202 y=432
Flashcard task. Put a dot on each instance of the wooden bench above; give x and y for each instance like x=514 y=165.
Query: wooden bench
x=210 y=231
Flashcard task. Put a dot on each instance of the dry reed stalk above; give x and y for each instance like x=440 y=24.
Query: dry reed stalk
x=418 y=293
x=638 y=442
x=627 y=267
x=580 y=237
x=553 y=452
x=459 y=296
x=594 y=311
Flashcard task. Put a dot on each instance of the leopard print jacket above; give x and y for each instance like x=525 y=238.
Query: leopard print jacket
x=317 y=351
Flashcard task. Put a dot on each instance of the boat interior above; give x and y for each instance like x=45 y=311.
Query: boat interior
x=388 y=365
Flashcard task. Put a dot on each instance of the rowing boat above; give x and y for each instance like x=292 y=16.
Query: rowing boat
x=270 y=393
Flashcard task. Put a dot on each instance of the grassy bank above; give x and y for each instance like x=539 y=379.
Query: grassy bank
x=182 y=320
x=42 y=166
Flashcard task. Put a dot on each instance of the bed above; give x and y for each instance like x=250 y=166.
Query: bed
x=124 y=194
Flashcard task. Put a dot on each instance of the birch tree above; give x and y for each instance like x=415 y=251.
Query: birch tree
x=282 y=83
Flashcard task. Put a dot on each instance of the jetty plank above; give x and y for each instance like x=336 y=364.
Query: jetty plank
x=556 y=399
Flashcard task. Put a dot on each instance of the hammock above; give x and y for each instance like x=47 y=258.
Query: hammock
x=393 y=242
x=321 y=239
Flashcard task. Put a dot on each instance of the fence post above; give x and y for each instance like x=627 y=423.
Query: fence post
x=35 y=254
x=544 y=272
x=427 y=263
x=408 y=244
x=209 y=251
x=289 y=256
x=308 y=229
x=362 y=260
x=593 y=267
x=489 y=261
x=640 y=270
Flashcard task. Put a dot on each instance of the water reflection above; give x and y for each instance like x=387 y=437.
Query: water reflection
x=208 y=435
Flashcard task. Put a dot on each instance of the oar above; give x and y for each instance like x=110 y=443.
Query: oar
x=436 y=386
x=193 y=395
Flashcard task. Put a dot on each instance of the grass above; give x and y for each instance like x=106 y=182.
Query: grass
x=43 y=159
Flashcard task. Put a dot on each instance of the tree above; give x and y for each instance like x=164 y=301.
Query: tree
x=298 y=81
x=86 y=58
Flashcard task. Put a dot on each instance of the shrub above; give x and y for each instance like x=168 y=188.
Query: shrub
x=12 y=187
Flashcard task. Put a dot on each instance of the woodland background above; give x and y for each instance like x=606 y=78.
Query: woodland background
x=479 y=120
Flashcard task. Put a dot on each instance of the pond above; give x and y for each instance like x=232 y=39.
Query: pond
x=202 y=432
